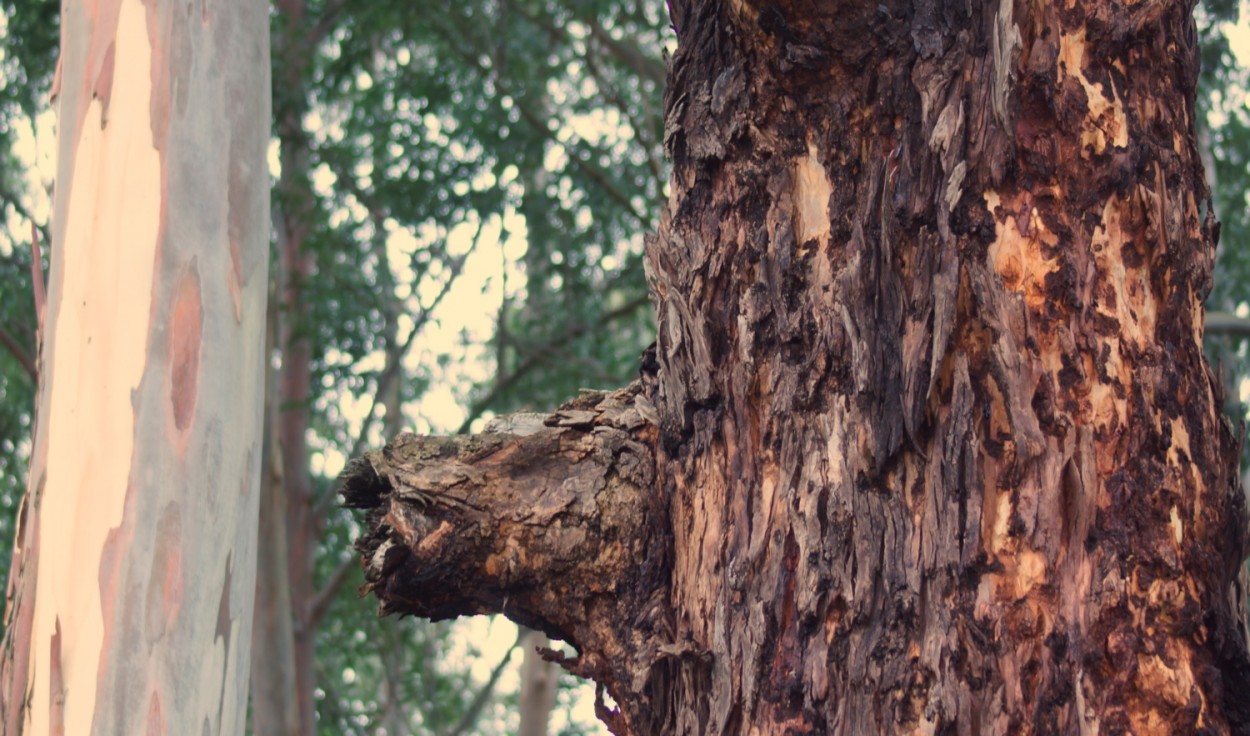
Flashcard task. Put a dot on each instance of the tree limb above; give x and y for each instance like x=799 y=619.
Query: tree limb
x=541 y=355
x=396 y=353
x=647 y=67
x=539 y=124
x=15 y=349
x=629 y=54
x=646 y=134
x=323 y=26
x=1225 y=324
x=556 y=525
x=395 y=716
x=324 y=597
x=482 y=696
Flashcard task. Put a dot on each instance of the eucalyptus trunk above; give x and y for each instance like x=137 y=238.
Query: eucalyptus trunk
x=129 y=606
x=927 y=443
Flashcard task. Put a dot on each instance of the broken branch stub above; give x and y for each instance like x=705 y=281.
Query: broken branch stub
x=556 y=524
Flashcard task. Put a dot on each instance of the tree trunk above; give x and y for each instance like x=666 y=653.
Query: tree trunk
x=274 y=705
x=539 y=682
x=928 y=443
x=130 y=598
x=282 y=669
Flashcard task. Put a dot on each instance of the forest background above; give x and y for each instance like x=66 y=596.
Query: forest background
x=461 y=192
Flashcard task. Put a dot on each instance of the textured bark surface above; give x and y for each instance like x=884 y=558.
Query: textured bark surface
x=937 y=447
x=129 y=607
x=550 y=520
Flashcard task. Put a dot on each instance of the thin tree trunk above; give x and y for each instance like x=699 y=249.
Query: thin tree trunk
x=285 y=595
x=130 y=596
x=294 y=414
x=540 y=680
x=273 y=702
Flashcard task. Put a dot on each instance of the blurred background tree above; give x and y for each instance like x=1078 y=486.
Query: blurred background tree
x=461 y=192
x=1224 y=130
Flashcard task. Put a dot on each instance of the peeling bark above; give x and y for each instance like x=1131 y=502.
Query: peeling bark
x=935 y=448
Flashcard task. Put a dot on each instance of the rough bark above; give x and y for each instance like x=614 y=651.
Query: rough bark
x=129 y=604
x=551 y=518
x=935 y=448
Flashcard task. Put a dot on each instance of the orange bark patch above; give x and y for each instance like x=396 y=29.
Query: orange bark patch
x=1030 y=571
x=1105 y=121
x=437 y=539
x=169 y=69
x=1018 y=253
x=185 y=332
x=812 y=190
x=1173 y=685
x=158 y=108
x=1125 y=295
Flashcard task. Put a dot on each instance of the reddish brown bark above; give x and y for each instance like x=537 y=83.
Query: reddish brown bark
x=934 y=444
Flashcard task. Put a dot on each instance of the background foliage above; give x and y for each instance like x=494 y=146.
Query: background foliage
x=1224 y=124
x=471 y=182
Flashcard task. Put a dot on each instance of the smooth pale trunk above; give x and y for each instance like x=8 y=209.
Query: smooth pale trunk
x=130 y=604
x=540 y=681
